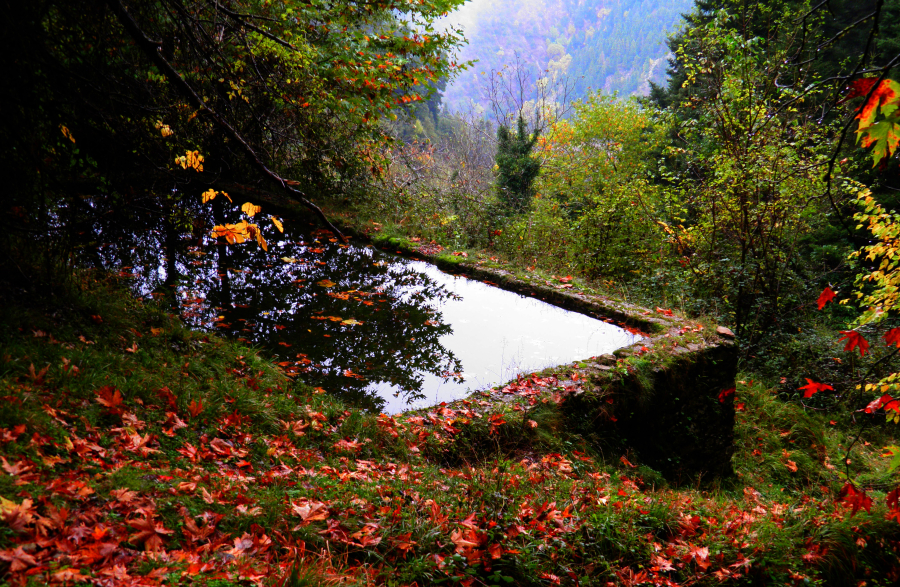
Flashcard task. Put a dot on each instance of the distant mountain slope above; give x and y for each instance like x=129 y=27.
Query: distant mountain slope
x=613 y=45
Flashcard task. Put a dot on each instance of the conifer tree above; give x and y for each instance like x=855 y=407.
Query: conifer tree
x=517 y=167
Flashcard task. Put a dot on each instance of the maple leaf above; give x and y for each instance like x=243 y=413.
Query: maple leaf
x=885 y=96
x=192 y=159
x=893 y=503
x=626 y=462
x=661 y=563
x=194 y=531
x=66 y=132
x=221 y=447
x=67 y=575
x=310 y=511
x=110 y=397
x=886 y=401
x=189 y=451
x=700 y=556
x=149 y=533
x=195 y=408
x=496 y=421
x=812 y=387
x=892 y=337
x=16 y=515
x=859 y=87
x=116 y=572
x=883 y=136
x=37 y=377
x=826 y=296
x=854 y=339
x=18 y=559
x=234 y=233
x=855 y=498
x=349 y=445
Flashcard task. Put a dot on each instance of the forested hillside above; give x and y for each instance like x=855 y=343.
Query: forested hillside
x=610 y=45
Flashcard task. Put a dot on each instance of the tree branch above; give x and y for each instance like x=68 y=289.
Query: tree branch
x=151 y=49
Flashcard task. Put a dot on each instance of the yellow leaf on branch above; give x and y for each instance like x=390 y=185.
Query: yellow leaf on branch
x=192 y=159
x=66 y=132
x=250 y=209
x=164 y=129
x=233 y=233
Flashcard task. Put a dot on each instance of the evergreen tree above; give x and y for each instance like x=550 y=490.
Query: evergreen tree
x=517 y=167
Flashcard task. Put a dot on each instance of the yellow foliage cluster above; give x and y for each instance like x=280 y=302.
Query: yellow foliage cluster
x=239 y=233
x=164 y=129
x=211 y=194
x=192 y=159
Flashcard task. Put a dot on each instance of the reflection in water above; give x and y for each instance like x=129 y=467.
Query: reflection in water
x=374 y=329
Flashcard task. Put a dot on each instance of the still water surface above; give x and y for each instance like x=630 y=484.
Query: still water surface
x=383 y=332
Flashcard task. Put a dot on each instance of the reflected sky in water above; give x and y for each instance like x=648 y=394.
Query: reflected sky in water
x=383 y=332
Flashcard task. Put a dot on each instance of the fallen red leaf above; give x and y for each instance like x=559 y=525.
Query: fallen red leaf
x=195 y=408
x=854 y=498
x=111 y=398
x=18 y=559
x=149 y=533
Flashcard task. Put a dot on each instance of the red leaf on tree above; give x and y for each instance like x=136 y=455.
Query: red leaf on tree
x=885 y=93
x=854 y=339
x=826 y=296
x=885 y=401
x=813 y=387
x=859 y=87
x=854 y=498
x=893 y=503
x=892 y=337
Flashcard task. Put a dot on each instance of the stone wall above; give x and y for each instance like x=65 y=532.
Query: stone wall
x=668 y=399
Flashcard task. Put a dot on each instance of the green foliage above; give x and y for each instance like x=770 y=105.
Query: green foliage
x=748 y=180
x=597 y=169
x=517 y=168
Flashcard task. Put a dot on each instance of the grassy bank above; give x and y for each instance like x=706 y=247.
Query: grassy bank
x=135 y=451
